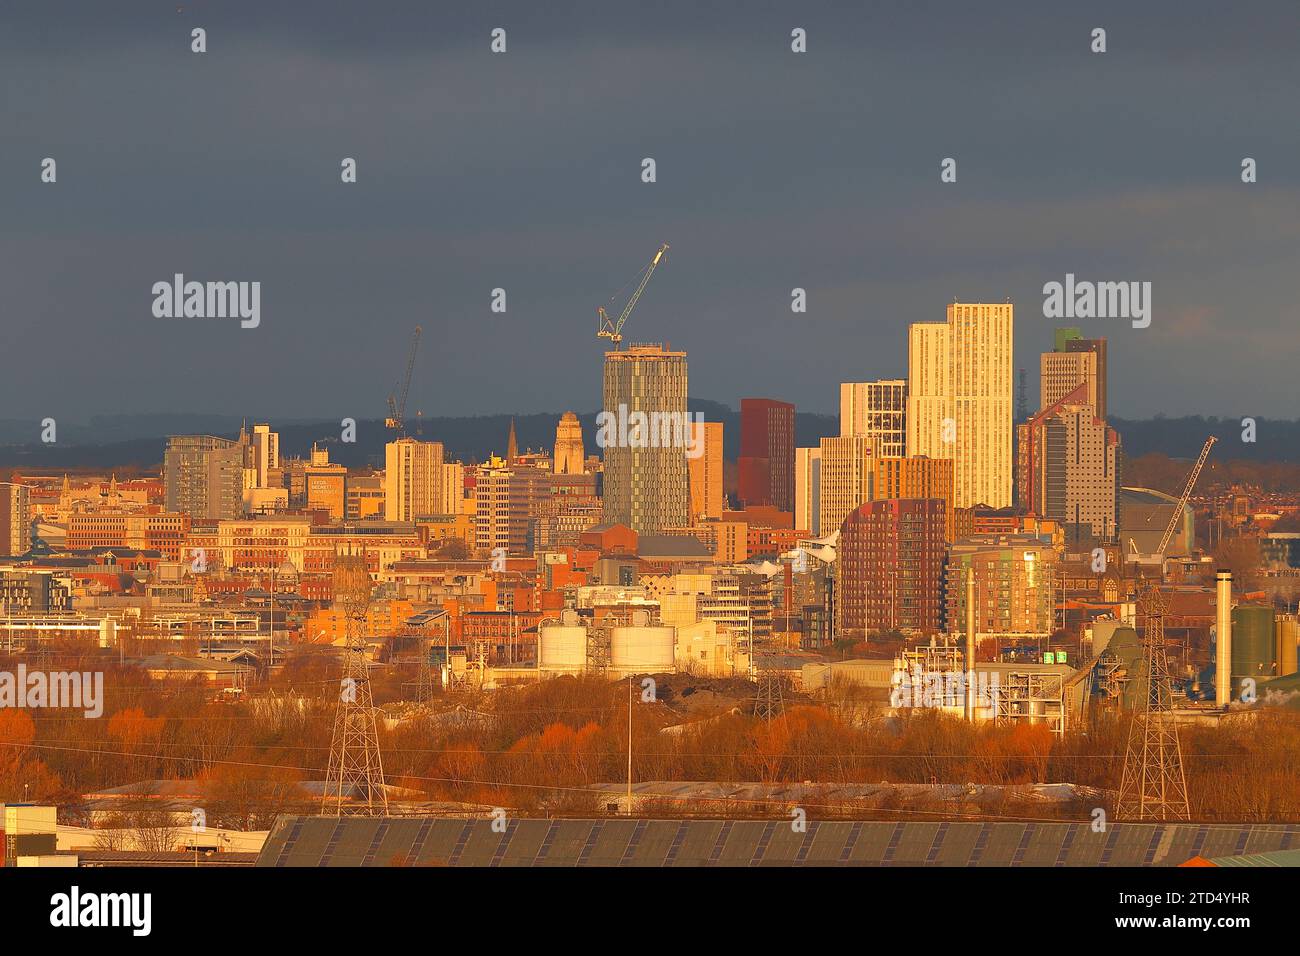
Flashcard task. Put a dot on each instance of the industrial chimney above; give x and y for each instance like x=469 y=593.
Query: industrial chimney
x=1223 y=638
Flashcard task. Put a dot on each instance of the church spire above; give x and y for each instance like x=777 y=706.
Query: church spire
x=512 y=444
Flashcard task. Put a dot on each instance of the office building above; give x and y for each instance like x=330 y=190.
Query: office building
x=453 y=500
x=324 y=484
x=266 y=454
x=1068 y=468
x=1074 y=361
x=147 y=530
x=15 y=520
x=705 y=470
x=413 y=479
x=204 y=476
x=807 y=490
x=929 y=400
x=264 y=544
x=877 y=410
x=1015 y=585
x=766 y=462
x=508 y=504
x=364 y=496
x=845 y=484
x=571 y=508
x=916 y=478
x=645 y=482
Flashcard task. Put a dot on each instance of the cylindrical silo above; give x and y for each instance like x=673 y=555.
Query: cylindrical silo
x=562 y=648
x=1254 y=645
x=645 y=650
x=1288 y=632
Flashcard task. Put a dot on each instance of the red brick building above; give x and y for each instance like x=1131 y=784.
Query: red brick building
x=766 y=463
x=508 y=638
x=892 y=555
x=149 y=530
x=774 y=540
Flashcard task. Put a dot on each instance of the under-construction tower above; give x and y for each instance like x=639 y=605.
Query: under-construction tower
x=1153 y=786
x=355 y=781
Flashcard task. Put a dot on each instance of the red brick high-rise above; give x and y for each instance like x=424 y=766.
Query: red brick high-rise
x=766 y=465
x=892 y=555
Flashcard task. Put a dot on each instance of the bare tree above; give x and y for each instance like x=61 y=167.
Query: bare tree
x=155 y=831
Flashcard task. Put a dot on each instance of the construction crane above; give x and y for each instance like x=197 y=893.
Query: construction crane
x=608 y=328
x=396 y=420
x=1182 y=502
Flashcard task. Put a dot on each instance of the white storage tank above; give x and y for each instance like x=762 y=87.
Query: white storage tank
x=562 y=647
x=644 y=650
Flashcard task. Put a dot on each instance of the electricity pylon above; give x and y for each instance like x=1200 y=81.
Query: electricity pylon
x=424 y=674
x=769 y=702
x=1153 y=786
x=356 y=769
x=769 y=699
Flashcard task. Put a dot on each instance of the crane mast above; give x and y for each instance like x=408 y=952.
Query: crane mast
x=1182 y=502
x=396 y=420
x=612 y=329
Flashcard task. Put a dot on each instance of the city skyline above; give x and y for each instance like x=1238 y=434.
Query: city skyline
x=674 y=435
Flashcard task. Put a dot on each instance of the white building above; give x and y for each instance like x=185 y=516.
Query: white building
x=961 y=401
x=877 y=410
x=807 y=490
x=845 y=479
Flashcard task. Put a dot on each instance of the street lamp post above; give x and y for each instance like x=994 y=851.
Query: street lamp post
x=629 y=745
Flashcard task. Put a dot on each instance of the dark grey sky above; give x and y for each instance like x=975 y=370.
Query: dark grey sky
x=522 y=171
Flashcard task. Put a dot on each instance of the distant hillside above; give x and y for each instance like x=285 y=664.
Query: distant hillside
x=1276 y=439
x=137 y=441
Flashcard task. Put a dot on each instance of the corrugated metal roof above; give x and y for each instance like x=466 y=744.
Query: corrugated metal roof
x=427 y=841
